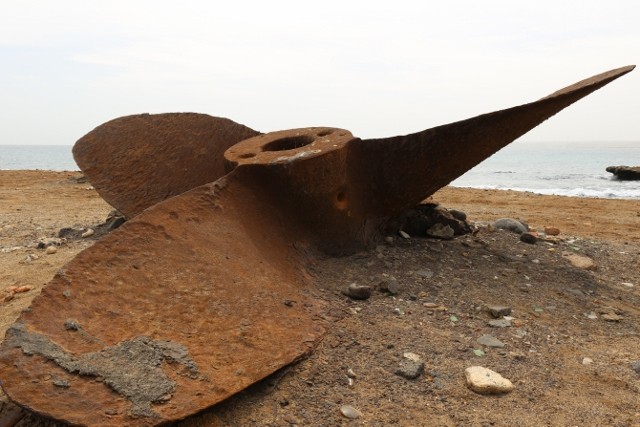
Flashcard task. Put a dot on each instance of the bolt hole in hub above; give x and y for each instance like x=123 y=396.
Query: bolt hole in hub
x=288 y=143
x=341 y=200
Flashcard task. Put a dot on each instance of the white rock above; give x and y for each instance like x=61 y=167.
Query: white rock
x=580 y=261
x=51 y=250
x=485 y=381
x=88 y=233
x=411 y=356
x=587 y=361
x=350 y=412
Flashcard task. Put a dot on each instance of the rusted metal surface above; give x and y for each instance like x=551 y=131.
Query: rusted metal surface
x=204 y=293
x=137 y=161
x=346 y=191
x=211 y=275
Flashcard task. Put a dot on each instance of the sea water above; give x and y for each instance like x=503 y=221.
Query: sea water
x=566 y=169
x=32 y=157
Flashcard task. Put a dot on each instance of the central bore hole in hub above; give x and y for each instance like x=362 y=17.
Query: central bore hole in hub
x=288 y=143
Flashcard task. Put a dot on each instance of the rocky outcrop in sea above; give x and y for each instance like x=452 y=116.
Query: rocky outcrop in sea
x=625 y=173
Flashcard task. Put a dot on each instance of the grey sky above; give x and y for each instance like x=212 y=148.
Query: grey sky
x=375 y=68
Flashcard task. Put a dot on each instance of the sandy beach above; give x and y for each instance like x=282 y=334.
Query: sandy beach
x=570 y=363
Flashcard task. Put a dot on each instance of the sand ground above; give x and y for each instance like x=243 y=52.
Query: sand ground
x=544 y=353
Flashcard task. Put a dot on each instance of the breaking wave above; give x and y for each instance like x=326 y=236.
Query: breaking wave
x=604 y=193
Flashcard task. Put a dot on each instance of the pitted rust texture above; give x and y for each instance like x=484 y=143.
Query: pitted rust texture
x=219 y=269
x=137 y=161
x=131 y=368
x=202 y=270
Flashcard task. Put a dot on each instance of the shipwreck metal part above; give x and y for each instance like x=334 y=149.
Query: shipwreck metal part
x=202 y=269
x=137 y=161
x=345 y=189
x=219 y=269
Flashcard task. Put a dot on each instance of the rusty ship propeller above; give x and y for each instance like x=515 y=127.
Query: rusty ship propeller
x=203 y=291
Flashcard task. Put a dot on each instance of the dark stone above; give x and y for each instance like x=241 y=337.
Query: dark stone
x=490 y=341
x=389 y=285
x=430 y=219
x=356 y=291
x=459 y=215
x=528 y=238
x=68 y=232
x=410 y=369
x=497 y=311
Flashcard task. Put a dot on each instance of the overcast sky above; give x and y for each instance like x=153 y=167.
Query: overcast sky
x=375 y=68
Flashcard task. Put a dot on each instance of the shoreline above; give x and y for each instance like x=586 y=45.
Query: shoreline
x=616 y=220
x=588 y=217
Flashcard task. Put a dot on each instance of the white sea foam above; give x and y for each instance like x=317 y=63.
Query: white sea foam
x=576 y=170
x=606 y=193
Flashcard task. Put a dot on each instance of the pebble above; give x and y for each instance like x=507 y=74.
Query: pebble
x=580 y=261
x=510 y=225
x=587 y=361
x=50 y=241
x=390 y=285
x=485 y=381
x=497 y=311
x=441 y=231
x=490 y=341
x=426 y=274
x=459 y=215
x=551 y=231
x=612 y=317
x=350 y=412
x=499 y=323
x=356 y=291
x=51 y=250
x=61 y=383
x=411 y=366
x=404 y=234
x=576 y=292
x=88 y=233
x=528 y=238
x=351 y=373
x=636 y=366
x=31 y=257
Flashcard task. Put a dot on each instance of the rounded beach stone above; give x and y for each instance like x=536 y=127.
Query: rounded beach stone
x=551 y=231
x=511 y=225
x=485 y=381
x=528 y=238
x=355 y=291
x=580 y=261
x=350 y=412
